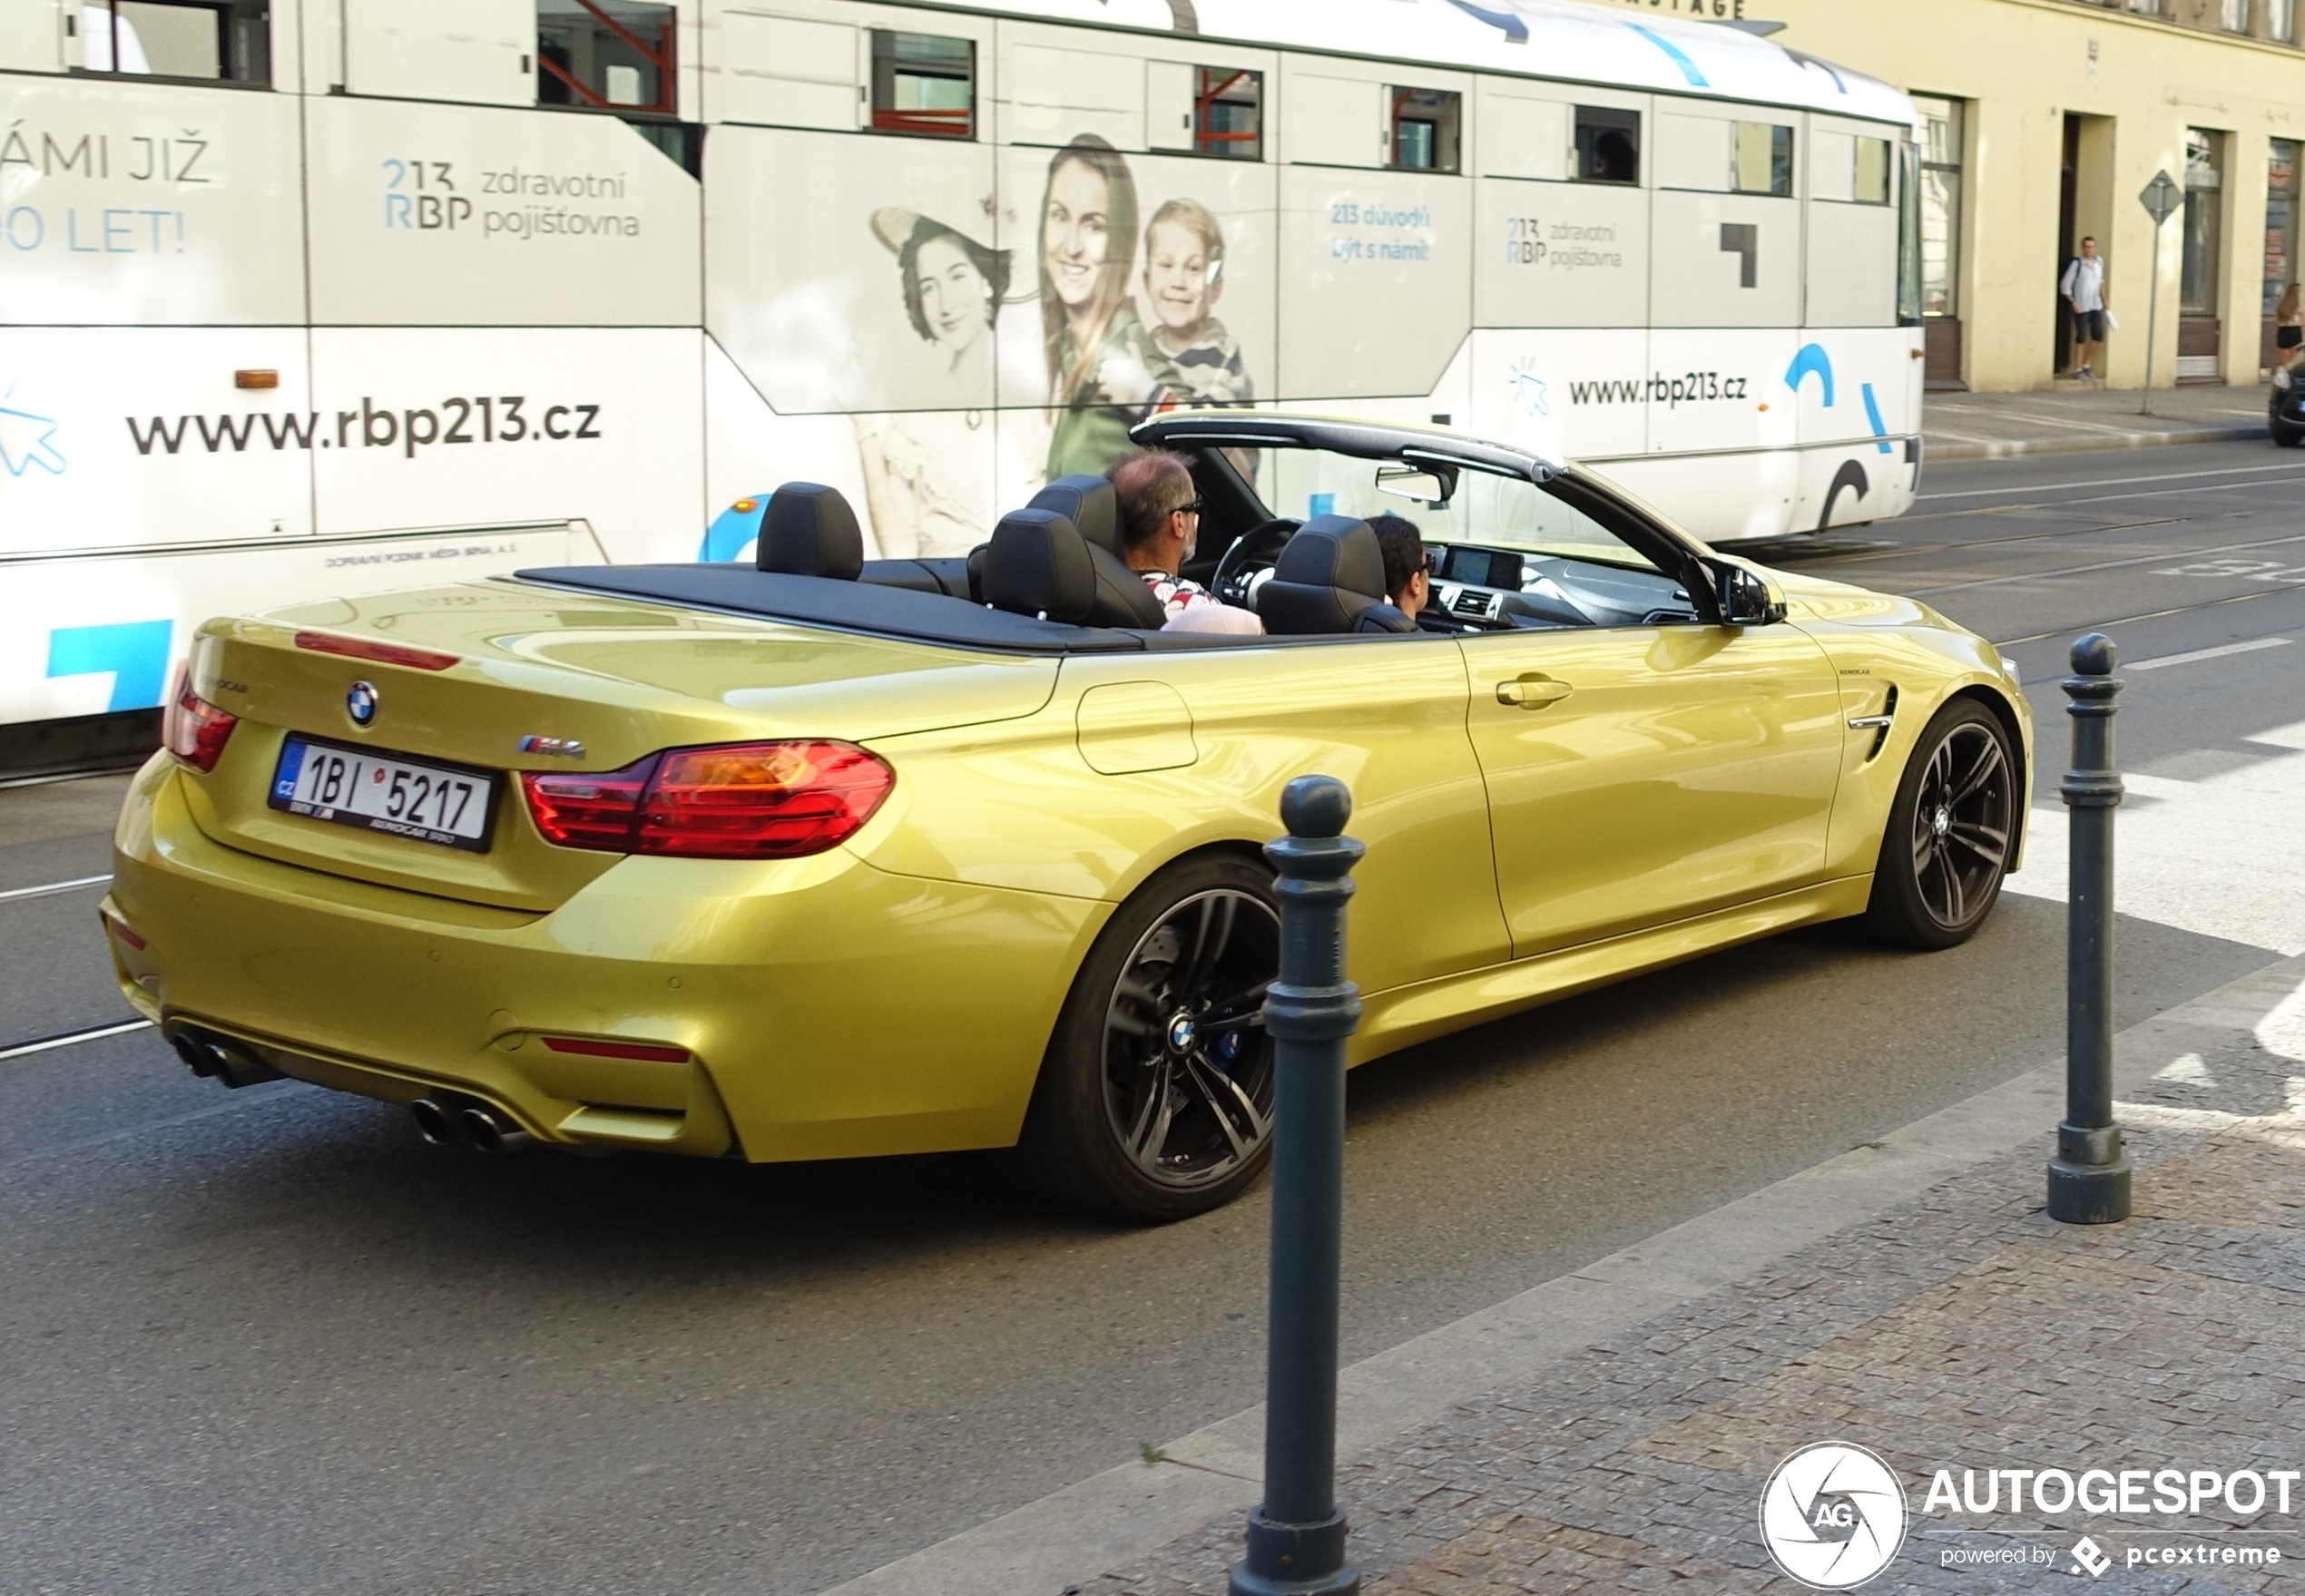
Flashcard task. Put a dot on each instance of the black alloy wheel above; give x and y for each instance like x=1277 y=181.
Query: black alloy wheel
x=1155 y=1099
x=1950 y=831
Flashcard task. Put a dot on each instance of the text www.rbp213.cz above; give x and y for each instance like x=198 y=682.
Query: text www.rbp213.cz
x=505 y=419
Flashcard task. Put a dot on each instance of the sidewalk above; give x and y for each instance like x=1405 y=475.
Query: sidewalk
x=1960 y=1330
x=2078 y=417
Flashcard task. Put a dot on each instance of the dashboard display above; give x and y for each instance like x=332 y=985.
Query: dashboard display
x=1484 y=568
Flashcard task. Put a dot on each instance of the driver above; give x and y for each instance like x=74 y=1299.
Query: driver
x=1160 y=524
x=1408 y=582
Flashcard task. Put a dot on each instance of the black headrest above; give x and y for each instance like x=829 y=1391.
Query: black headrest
x=1334 y=550
x=1327 y=575
x=809 y=530
x=1090 y=503
x=1038 y=564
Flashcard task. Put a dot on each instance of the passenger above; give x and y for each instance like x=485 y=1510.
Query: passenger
x=1408 y=582
x=1159 y=525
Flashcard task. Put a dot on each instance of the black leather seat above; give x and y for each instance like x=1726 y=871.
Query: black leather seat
x=1038 y=564
x=809 y=530
x=1330 y=578
x=1093 y=507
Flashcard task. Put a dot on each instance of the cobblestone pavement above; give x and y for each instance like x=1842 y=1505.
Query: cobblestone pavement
x=1962 y=1331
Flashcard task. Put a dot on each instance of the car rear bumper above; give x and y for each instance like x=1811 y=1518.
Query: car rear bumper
x=828 y=1009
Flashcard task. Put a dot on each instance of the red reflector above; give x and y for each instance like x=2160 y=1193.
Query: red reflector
x=383 y=653
x=617 y=1050
x=759 y=800
x=120 y=929
x=194 y=730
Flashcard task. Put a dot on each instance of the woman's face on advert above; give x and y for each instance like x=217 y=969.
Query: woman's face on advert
x=953 y=292
x=1074 y=235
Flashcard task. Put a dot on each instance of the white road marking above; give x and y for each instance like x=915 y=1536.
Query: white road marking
x=73 y=1038
x=2221 y=857
x=52 y=887
x=2219 y=653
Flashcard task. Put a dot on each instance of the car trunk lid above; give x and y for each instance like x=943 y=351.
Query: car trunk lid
x=500 y=677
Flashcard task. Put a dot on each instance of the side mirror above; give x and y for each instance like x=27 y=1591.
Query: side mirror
x=1745 y=598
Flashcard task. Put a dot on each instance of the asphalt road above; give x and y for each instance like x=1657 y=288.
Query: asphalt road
x=266 y=1341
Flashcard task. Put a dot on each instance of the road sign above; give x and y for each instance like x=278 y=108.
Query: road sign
x=2162 y=197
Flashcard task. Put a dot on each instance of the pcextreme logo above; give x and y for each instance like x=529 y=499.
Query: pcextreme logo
x=1833 y=1515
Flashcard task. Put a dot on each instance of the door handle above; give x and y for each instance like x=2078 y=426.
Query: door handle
x=1532 y=692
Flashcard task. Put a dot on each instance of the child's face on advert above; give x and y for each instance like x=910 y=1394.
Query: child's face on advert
x=1176 y=277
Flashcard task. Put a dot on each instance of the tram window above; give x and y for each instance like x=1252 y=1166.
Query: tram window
x=221 y=41
x=1228 y=112
x=924 y=83
x=1608 y=145
x=1427 y=129
x=608 y=54
x=1872 y=172
x=1762 y=159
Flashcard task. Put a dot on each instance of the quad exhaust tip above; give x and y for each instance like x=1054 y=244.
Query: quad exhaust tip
x=492 y=1132
x=477 y=1126
x=433 y=1122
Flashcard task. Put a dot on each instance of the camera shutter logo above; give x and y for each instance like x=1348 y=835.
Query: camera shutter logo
x=1833 y=1515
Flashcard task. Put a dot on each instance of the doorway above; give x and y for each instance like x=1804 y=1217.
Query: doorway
x=2084 y=211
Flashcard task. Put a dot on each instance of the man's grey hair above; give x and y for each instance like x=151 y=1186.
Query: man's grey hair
x=1153 y=485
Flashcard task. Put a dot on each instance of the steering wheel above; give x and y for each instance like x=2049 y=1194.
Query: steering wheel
x=1258 y=546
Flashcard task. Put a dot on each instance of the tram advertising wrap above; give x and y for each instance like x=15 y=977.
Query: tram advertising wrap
x=388 y=313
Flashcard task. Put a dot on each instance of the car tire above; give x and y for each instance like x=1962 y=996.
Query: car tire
x=1155 y=1101
x=1945 y=848
x=2287 y=436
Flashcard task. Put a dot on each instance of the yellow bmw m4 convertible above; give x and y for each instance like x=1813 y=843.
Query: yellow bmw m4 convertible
x=822 y=856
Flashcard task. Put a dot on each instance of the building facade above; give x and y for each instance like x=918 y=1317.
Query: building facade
x=2045 y=119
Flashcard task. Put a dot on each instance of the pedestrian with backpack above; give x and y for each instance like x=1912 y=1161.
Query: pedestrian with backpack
x=2084 y=288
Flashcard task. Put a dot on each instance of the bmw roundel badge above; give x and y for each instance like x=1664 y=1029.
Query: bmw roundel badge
x=360 y=703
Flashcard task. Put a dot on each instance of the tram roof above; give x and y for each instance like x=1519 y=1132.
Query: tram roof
x=1567 y=40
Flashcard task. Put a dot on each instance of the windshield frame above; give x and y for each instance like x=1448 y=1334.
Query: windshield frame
x=1206 y=435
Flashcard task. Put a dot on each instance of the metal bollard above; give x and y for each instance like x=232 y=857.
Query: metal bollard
x=1297 y=1534
x=2089 y=1177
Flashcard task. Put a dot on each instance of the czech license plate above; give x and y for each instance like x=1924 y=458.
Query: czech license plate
x=444 y=804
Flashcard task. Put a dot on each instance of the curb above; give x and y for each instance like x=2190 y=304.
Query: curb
x=2005 y=448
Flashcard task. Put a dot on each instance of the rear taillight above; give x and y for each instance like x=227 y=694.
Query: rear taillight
x=755 y=801
x=194 y=730
x=383 y=653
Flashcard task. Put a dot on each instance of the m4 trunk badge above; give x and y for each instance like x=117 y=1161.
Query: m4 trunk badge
x=558 y=748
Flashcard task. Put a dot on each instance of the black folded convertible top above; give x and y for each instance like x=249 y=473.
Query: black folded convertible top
x=847 y=606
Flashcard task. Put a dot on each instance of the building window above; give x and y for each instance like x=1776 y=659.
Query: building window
x=1940 y=206
x=2281 y=195
x=2204 y=220
x=924 y=83
x=2280 y=20
x=608 y=54
x=1608 y=145
x=2234 y=15
x=1427 y=126
x=219 y=41
x=1760 y=160
x=1228 y=112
